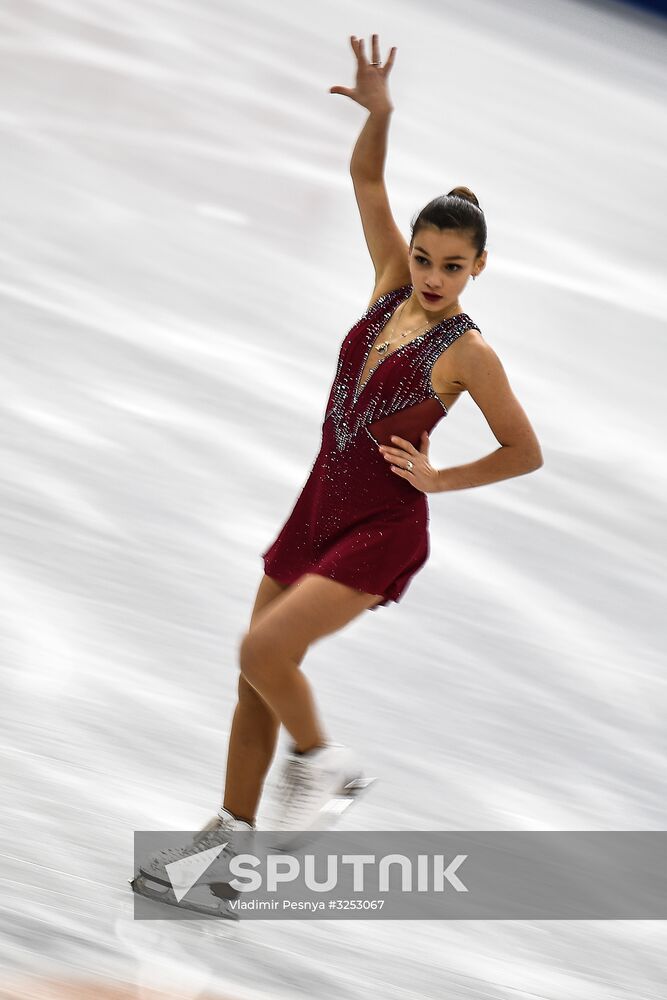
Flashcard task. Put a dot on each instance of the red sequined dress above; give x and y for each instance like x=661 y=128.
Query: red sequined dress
x=355 y=520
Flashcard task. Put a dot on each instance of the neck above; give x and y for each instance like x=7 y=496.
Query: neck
x=414 y=312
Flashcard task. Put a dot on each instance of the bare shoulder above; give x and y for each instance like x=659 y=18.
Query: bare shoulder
x=455 y=367
x=475 y=367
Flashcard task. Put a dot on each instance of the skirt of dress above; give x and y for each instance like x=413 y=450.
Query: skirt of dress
x=355 y=521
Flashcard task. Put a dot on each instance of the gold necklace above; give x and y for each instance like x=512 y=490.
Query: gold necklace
x=381 y=348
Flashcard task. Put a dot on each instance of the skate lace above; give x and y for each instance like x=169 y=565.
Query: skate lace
x=211 y=838
x=213 y=834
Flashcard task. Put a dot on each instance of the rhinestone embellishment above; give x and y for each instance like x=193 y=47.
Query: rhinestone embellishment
x=353 y=406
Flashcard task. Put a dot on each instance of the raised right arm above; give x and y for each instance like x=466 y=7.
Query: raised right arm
x=386 y=244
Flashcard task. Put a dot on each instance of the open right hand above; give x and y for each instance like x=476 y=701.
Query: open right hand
x=371 y=89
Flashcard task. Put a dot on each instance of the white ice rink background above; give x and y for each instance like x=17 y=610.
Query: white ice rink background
x=181 y=257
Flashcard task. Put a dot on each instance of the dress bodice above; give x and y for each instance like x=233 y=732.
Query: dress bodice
x=400 y=381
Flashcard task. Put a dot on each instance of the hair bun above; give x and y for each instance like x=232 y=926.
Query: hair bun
x=464 y=192
x=457 y=210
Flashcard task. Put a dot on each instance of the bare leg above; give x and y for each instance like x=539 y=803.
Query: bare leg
x=270 y=656
x=272 y=651
x=252 y=745
x=286 y=690
x=254 y=733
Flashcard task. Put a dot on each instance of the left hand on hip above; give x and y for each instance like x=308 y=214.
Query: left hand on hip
x=422 y=475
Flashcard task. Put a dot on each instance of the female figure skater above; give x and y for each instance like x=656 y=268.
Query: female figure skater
x=358 y=532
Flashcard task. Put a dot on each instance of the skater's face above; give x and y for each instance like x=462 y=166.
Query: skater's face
x=441 y=261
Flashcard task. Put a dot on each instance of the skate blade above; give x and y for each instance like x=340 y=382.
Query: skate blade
x=357 y=786
x=160 y=893
x=328 y=816
x=348 y=795
x=148 y=876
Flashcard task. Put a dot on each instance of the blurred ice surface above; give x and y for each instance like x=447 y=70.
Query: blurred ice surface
x=181 y=257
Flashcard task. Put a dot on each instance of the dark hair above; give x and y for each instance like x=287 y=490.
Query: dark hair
x=459 y=209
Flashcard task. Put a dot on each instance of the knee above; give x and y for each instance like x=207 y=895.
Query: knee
x=252 y=701
x=253 y=658
x=263 y=657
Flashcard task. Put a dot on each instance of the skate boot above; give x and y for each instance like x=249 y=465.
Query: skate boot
x=157 y=880
x=315 y=789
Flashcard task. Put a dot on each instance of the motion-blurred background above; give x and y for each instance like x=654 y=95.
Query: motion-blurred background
x=181 y=258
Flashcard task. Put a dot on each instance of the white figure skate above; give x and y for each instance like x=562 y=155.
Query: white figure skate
x=315 y=790
x=169 y=876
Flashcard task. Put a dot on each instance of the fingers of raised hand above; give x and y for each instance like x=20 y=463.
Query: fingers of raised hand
x=358 y=47
x=390 y=60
